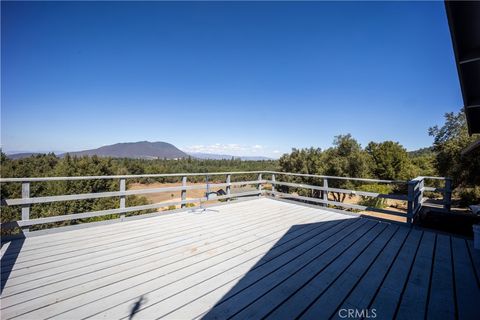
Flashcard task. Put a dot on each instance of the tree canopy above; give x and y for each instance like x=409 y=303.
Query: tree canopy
x=390 y=161
x=450 y=140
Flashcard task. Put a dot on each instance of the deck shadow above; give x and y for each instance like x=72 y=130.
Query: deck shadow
x=9 y=258
x=296 y=242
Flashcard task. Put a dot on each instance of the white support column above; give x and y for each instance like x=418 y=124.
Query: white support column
x=184 y=191
x=273 y=185
x=229 y=186
x=411 y=201
x=447 y=194
x=25 y=207
x=123 y=187
x=259 y=187
x=325 y=192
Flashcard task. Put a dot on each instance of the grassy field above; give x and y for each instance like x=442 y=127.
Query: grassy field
x=176 y=195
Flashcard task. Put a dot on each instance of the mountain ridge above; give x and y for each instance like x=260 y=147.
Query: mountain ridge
x=137 y=150
x=141 y=150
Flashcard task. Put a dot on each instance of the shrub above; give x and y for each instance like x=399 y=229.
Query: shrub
x=469 y=196
x=172 y=207
x=374 y=202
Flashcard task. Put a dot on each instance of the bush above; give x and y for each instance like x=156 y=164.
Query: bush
x=172 y=207
x=469 y=196
x=374 y=202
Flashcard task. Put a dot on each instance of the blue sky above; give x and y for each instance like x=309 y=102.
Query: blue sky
x=238 y=78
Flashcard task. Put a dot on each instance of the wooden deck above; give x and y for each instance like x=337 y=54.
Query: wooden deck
x=248 y=260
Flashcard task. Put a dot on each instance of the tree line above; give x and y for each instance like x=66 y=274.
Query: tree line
x=389 y=160
x=50 y=165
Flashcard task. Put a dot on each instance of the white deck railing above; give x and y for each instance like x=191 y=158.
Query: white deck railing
x=414 y=196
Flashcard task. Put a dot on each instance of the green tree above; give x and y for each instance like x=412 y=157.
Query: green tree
x=345 y=159
x=449 y=141
x=390 y=160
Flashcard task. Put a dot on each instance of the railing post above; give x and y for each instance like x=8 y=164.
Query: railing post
x=25 y=207
x=421 y=186
x=184 y=191
x=325 y=192
x=229 y=186
x=123 y=187
x=273 y=185
x=411 y=201
x=259 y=187
x=447 y=194
x=208 y=187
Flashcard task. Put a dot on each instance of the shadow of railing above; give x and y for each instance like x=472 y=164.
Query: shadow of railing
x=136 y=306
x=9 y=258
x=286 y=260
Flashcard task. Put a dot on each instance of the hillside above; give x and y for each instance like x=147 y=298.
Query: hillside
x=421 y=152
x=138 y=150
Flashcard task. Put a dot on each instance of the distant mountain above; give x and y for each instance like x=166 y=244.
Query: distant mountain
x=137 y=150
x=142 y=150
x=22 y=155
x=212 y=156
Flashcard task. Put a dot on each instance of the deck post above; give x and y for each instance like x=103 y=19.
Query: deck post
x=273 y=185
x=229 y=186
x=410 y=204
x=208 y=188
x=259 y=187
x=123 y=188
x=447 y=194
x=25 y=207
x=421 y=186
x=325 y=192
x=184 y=191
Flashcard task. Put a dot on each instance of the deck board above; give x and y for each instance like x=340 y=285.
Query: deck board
x=442 y=298
x=330 y=295
x=467 y=289
x=389 y=293
x=415 y=294
x=362 y=295
x=251 y=259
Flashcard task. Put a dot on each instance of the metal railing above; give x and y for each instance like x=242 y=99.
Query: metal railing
x=414 y=196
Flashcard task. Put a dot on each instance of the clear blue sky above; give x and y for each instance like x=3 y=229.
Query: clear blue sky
x=236 y=78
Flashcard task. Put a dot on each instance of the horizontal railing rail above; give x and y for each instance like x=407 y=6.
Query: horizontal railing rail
x=85 y=196
x=334 y=177
x=131 y=176
x=414 y=197
x=26 y=201
x=346 y=191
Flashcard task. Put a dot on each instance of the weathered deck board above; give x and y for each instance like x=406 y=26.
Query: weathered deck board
x=181 y=237
x=331 y=294
x=66 y=290
x=362 y=295
x=389 y=294
x=415 y=294
x=442 y=297
x=252 y=259
x=318 y=282
x=126 y=260
x=467 y=289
